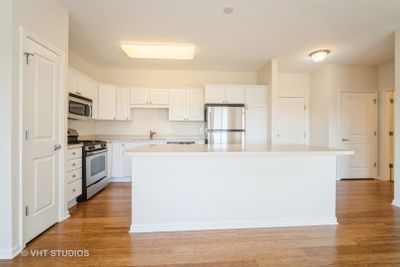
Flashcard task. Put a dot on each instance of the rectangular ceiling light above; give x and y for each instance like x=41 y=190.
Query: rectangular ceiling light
x=159 y=51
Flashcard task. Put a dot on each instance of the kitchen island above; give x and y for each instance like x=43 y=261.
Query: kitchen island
x=199 y=187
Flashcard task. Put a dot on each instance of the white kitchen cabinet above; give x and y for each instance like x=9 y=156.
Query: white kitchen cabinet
x=73 y=177
x=107 y=102
x=122 y=105
x=79 y=83
x=221 y=94
x=256 y=115
x=256 y=126
x=118 y=160
x=95 y=98
x=149 y=98
x=186 y=105
x=255 y=96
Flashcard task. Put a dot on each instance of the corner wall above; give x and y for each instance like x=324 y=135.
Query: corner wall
x=48 y=20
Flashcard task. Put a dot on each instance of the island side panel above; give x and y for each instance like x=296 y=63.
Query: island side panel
x=175 y=193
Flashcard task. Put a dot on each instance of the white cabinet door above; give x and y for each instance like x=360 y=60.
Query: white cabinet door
x=255 y=97
x=83 y=86
x=139 y=96
x=107 y=101
x=290 y=121
x=215 y=94
x=118 y=162
x=234 y=95
x=73 y=82
x=123 y=107
x=158 y=96
x=95 y=98
x=195 y=105
x=177 y=105
x=256 y=126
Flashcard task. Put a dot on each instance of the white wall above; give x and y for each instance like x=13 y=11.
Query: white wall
x=6 y=209
x=396 y=200
x=48 y=20
x=386 y=81
x=319 y=110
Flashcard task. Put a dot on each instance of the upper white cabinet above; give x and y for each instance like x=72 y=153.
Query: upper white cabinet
x=256 y=115
x=149 y=98
x=255 y=96
x=186 y=105
x=107 y=102
x=122 y=105
x=79 y=84
x=221 y=94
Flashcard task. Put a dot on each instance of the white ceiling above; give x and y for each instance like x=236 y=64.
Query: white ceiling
x=357 y=31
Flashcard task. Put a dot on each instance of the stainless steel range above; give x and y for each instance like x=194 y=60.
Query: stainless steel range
x=94 y=171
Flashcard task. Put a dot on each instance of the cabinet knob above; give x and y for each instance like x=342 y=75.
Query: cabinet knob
x=73 y=153
x=74 y=175
x=73 y=164
x=73 y=190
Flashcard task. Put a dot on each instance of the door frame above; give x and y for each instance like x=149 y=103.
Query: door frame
x=339 y=129
x=24 y=35
x=385 y=141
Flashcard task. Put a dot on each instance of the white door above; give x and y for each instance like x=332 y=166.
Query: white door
x=195 y=105
x=122 y=106
x=177 y=105
x=139 y=96
x=107 y=102
x=290 y=121
x=41 y=150
x=234 y=95
x=358 y=124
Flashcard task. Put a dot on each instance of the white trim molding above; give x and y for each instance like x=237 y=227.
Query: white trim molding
x=172 y=227
x=396 y=202
x=10 y=253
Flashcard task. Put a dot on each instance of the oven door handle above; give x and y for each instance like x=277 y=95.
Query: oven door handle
x=96 y=152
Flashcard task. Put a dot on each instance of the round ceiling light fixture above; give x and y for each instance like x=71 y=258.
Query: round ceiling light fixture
x=319 y=55
x=228 y=10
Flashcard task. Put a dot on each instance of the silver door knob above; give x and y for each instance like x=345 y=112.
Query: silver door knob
x=57 y=147
x=345 y=140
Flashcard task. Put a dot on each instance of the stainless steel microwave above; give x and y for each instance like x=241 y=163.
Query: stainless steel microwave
x=79 y=107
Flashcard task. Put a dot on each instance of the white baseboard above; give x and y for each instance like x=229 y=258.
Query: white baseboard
x=71 y=203
x=11 y=253
x=172 y=227
x=121 y=180
x=396 y=203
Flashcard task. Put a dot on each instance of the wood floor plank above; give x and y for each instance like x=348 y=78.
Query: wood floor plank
x=368 y=234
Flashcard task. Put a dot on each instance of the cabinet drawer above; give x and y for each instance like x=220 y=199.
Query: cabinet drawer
x=74 y=164
x=74 y=153
x=74 y=175
x=74 y=189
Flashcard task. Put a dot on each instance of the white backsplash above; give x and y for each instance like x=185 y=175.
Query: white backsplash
x=143 y=120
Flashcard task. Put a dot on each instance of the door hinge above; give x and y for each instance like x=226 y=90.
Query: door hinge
x=305 y=107
x=391 y=101
x=26 y=211
x=375 y=164
x=26 y=135
x=374 y=133
x=304 y=135
x=374 y=101
x=390 y=165
x=27 y=55
x=391 y=133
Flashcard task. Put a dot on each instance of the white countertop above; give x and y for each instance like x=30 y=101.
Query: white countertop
x=71 y=146
x=144 y=138
x=233 y=150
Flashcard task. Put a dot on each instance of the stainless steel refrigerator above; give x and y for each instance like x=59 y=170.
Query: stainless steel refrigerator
x=225 y=123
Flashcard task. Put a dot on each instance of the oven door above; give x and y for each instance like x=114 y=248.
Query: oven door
x=96 y=166
x=79 y=109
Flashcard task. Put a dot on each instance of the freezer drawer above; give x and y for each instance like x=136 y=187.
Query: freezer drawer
x=227 y=137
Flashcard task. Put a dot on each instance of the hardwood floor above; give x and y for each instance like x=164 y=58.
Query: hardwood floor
x=368 y=235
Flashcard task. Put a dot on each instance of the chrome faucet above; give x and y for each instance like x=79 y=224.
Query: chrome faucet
x=152 y=134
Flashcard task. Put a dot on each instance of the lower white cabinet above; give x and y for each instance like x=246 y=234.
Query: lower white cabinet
x=73 y=177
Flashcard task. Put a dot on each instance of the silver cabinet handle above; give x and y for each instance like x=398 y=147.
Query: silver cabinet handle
x=73 y=164
x=57 y=147
x=74 y=175
x=73 y=190
x=345 y=140
x=73 y=153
